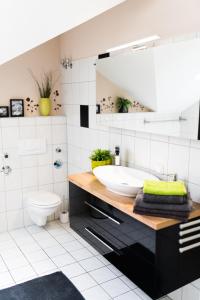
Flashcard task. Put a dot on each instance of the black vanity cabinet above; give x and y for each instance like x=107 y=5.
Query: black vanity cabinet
x=158 y=261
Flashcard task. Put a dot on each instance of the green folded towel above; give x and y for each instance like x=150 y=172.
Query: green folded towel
x=155 y=187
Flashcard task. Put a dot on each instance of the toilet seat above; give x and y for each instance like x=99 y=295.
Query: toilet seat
x=44 y=199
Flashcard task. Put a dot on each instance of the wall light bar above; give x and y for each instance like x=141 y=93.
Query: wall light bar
x=137 y=42
x=137 y=48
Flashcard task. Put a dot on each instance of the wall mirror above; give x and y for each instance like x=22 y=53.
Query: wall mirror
x=161 y=82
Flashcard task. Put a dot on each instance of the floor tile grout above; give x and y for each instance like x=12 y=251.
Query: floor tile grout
x=68 y=230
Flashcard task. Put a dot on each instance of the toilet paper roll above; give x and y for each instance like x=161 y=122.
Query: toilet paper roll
x=64 y=217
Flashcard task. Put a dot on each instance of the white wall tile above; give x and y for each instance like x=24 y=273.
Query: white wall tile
x=13 y=159
x=59 y=175
x=29 y=161
x=13 y=180
x=75 y=71
x=84 y=70
x=92 y=68
x=46 y=187
x=28 y=132
x=85 y=161
x=66 y=75
x=92 y=116
x=46 y=158
x=83 y=93
x=45 y=174
x=127 y=149
x=27 y=121
x=41 y=121
x=14 y=200
x=194 y=190
x=44 y=132
x=60 y=188
x=73 y=115
x=60 y=155
x=59 y=133
x=84 y=138
x=3 y=222
x=10 y=122
x=66 y=94
x=142 y=152
x=2 y=182
x=92 y=93
x=29 y=173
x=72 y=135
x=29 y=177
x=26 y=218
x=2 y=202
x=158 y=156
x=114 y=140
x=75 y=94
x=194 y=174
x=178 y=161
x=10 y=136
x=74 y=156
x=15 y=219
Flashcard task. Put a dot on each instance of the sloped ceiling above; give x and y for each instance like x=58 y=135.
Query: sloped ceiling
x=25 y=24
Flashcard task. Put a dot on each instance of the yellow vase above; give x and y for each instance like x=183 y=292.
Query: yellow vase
x=45 y=106
x=100 y=163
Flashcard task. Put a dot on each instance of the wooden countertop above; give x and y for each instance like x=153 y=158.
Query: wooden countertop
x=88 y=182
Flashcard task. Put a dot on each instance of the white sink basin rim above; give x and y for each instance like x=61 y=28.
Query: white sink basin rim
x=122 y=180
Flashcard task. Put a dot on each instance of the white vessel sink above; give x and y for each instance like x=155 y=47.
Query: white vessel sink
x=122 y=180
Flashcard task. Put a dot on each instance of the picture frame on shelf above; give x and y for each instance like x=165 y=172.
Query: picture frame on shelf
x=4 y=111
x=16 y=107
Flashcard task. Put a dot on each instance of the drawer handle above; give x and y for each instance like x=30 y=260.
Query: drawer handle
x=190 y=238
x=104 y=214
x=94 y=235
x=184 y=249
x=182 y=226
x=181 y=233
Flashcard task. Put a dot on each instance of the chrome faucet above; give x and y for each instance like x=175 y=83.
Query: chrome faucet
x=169 y=177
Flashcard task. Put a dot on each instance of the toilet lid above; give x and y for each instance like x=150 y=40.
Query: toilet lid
x=42 y=198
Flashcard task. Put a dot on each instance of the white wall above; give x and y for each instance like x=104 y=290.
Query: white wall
x=27 y=24
x=29 y=173
x=137 y=149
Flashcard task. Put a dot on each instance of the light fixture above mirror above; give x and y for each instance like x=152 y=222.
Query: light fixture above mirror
x=141 y=42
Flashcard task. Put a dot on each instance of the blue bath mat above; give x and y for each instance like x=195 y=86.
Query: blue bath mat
x=51 y=287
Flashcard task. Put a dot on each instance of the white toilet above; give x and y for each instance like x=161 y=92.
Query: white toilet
x=42 y=204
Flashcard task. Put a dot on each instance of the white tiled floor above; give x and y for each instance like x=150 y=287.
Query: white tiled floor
x=30 y=252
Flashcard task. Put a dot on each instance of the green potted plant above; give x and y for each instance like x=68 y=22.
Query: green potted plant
x=100 y=157
x=45 y=87
x=123 y=104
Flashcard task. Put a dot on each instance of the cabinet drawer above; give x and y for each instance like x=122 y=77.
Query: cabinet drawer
x=84 y=225
x=121 y=226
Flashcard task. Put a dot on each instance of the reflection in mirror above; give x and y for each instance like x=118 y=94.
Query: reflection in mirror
x=162 y=83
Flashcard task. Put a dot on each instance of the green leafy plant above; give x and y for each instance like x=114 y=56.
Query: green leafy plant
x=100 y=155
x=46 y=85
x=123 y=104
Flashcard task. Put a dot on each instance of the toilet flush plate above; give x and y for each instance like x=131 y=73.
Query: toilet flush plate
x=31 y=146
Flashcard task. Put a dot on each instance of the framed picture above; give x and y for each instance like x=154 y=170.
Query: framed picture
x=4 y=111
x=16 y=107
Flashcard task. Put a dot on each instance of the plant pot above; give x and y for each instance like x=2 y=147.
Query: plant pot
x=123 y=109
x=95 y=164
x=45 y=106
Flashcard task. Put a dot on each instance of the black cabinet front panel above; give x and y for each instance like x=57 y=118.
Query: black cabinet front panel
x=152 y=259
